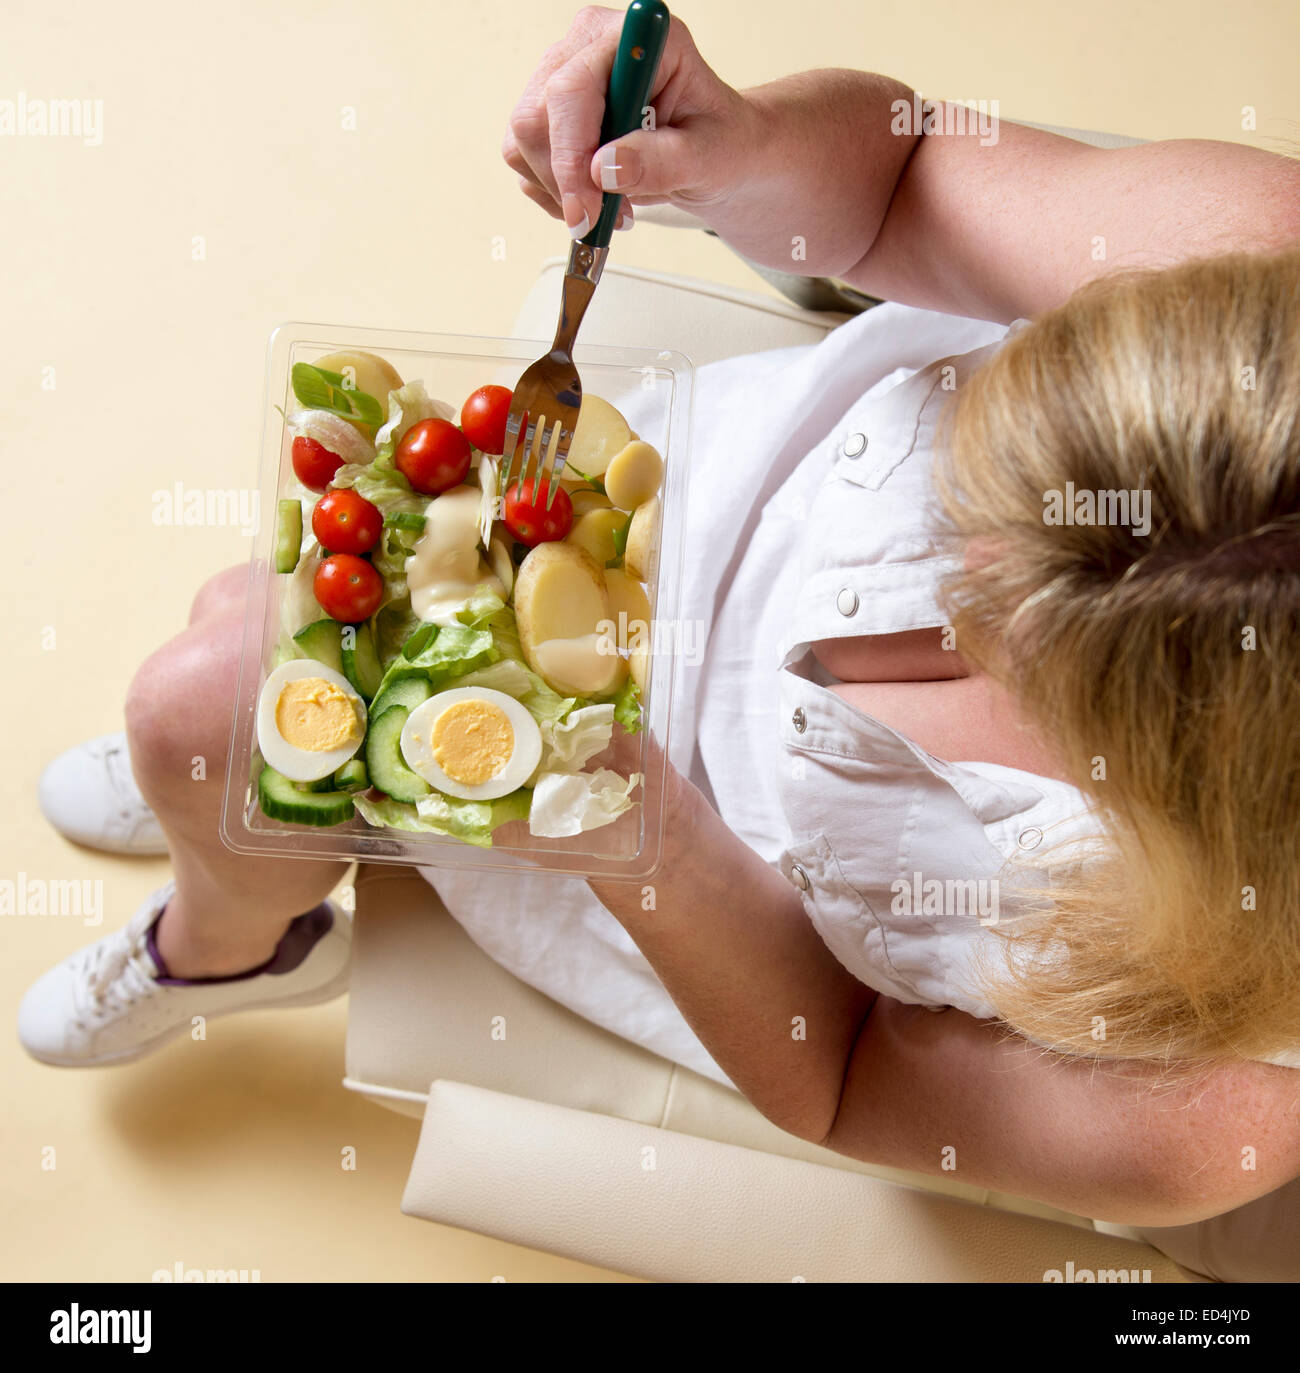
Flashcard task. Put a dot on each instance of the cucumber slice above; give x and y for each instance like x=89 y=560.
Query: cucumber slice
x=405 y=519
x=321 y=784
x=281 y=799
x=403 y=691
x=388 y=770
x=288 y=535
x=360 y=661
x=352 y=776
x=323 y=641
x=418 y=641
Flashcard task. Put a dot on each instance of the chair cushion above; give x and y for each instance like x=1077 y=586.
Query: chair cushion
x=672 y=1207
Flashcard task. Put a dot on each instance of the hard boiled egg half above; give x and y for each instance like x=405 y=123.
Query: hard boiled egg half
x=472 y=742
x=310 y=721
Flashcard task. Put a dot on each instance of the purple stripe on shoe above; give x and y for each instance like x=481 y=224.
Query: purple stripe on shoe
x=302 y=936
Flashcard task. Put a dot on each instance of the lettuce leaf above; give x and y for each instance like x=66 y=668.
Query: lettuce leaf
x=505 y=675
x=389 y=558
x=331 y=431
x=454 y=650
x=470 y=821
x=450 y=653
x=394 y=624
x=298 y=604
x=406 y=407
x=627 y=706
x=569 y=743
x=479 y=610
x=567 y=803
x=381 y=486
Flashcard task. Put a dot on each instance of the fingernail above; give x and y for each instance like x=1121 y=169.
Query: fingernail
x=575 y=217
x=620 y=167
x=624 y=220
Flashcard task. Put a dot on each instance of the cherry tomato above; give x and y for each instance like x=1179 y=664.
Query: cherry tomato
x=347 y=588
x=433 y=456
x=313 y=463
x=528 y=519
x=345 y=522
x=483 y=418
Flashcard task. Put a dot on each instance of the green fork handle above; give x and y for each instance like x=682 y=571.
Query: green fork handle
x=640 y=46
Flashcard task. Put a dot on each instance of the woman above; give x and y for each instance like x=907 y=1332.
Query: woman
x=979 y=675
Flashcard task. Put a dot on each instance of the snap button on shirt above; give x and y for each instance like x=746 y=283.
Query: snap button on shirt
x=799 y=720
x=1030 y=838
x=847 y=601
x=855 y=445
x=799 y=877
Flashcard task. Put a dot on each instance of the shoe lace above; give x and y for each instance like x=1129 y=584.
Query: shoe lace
x=115 y=973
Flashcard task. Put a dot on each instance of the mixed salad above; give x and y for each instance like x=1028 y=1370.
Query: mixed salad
x=450 y=660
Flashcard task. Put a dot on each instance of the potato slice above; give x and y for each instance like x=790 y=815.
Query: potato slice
x=584 y=500
x=638 y=665
x=560 y=601
x=595 y=532
x=587 y=665
x=600 y=433
x=629 y=608
x=643 y=541
x=633 y=475
x=367 y=372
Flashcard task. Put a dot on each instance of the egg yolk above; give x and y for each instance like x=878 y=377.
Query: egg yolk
x=316 y=716
x=472 y=741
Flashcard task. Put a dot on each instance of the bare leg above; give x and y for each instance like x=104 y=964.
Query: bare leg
x=229 y=910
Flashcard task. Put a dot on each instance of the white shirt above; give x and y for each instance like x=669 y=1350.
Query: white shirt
x=809 y=517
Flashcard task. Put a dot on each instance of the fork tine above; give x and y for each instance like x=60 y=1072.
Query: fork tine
x=513 y=421
x=533 y=453
x=556 y=451
x=525 y=443
x=547 y=455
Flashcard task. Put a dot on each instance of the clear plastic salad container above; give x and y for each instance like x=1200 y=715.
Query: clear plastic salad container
x=591 y=802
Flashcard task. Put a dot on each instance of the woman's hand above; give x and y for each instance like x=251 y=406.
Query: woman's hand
x=797 y=174
x=704 y=131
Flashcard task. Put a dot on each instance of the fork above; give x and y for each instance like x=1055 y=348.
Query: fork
x=550 y=392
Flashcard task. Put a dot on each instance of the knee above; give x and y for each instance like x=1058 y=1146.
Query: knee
x=228 y=587
x=180 y=705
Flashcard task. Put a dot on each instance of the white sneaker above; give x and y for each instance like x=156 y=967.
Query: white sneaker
x=89 y=794
x=113 y=1000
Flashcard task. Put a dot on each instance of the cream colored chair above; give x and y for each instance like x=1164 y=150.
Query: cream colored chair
x=567 y=1139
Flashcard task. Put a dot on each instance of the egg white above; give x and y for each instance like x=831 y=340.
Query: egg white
x=299 y=764
x=518 y=768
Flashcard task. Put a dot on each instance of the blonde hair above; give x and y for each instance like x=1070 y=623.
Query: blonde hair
x=1164 y=667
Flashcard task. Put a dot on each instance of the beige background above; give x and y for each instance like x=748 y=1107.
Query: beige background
x=225 y=123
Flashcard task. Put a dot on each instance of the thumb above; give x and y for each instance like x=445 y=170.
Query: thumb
x=650 y=162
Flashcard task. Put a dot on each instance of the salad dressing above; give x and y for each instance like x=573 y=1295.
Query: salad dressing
x=445 y=565
x=586 y=663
